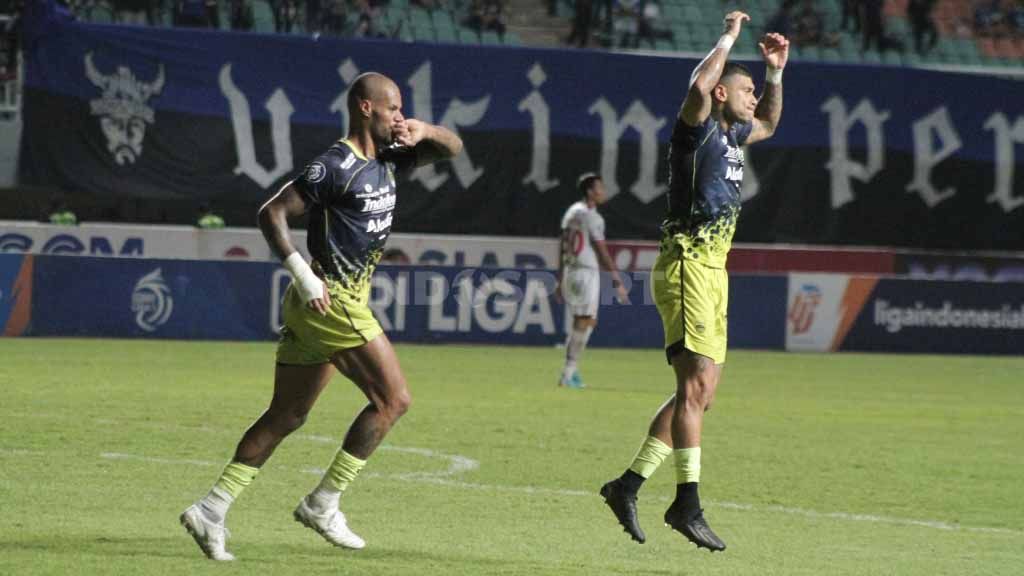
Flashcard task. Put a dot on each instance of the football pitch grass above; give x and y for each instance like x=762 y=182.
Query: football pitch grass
x=813 y=464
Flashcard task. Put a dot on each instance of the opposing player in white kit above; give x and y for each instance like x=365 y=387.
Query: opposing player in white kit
x=579 y=279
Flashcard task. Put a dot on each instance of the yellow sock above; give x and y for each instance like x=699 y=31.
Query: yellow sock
x=687 y=465
x=343 y=470
x=235 y=478
x=650 y=455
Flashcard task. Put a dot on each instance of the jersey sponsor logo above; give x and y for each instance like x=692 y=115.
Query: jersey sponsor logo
x=123 y=108
x=349 y=161
x=316 y=172
x=386 y=202
x=379 y=224
x=371 y=193
x=151 y=301
x=734 y=154
x=734 y=173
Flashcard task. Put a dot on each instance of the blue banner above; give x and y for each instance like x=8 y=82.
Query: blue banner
x=198 y=71
x=869 y=155
x=127 y=298
x=940 y=317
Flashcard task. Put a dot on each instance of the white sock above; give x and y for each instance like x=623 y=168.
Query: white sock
x=574 y=349
x=215 y=505
x=324 y=498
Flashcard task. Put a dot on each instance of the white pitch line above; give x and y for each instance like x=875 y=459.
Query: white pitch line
x=866 y=518
x=20 y=452
x=152 y=460
x=443 y=479
x=457 y=464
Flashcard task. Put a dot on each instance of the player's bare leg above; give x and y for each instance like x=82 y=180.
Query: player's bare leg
x=696 y=380
x=374 y=368
x=582 y=328
x=296 y=389
x=620 y=494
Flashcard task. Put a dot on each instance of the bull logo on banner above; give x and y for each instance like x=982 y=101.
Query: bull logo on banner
x=122 y=108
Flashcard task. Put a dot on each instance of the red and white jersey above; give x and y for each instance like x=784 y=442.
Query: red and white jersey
x=581 y=226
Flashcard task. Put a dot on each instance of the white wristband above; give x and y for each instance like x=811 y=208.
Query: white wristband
x=773 y=75
x=310 y=287
x=725 y=42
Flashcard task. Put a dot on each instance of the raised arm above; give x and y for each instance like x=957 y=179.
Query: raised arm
x=775 y=50
x=273 y=220
x=697 y=105
x=432 y=143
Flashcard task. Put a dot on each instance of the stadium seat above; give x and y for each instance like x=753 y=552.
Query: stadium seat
x=442 y=19
x=490 y=37
x=849 y=48
x=1005 y=48
x=831 y=55
x=419 y=17
x=892 y=58
x=872 y=57
x=446 y=35
x=692 y=14
x=897 y=27
x=423 y=33
x=513 y=39
x=988 y=47
x=263 y=17
x=467 y=35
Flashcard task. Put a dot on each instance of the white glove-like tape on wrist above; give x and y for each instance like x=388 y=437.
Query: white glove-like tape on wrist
x=310 y=287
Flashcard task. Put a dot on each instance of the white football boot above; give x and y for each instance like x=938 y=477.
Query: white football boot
x=209 y=535
x=331 y=525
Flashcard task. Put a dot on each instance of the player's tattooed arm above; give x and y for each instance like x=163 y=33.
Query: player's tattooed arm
x=432 y=143
x=273 y=219
x=697 y=105
x=775 y=49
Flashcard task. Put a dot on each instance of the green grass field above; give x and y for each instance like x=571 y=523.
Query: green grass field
x=813 y=464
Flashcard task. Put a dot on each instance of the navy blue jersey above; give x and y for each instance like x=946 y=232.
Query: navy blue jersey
x=706 y=165
x=350 y=200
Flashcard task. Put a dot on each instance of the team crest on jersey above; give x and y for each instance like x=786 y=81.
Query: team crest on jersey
x=123 y=108
x=316 y=172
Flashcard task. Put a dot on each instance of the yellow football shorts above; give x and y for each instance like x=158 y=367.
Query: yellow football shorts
x=693 y=300
x=309 y=338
